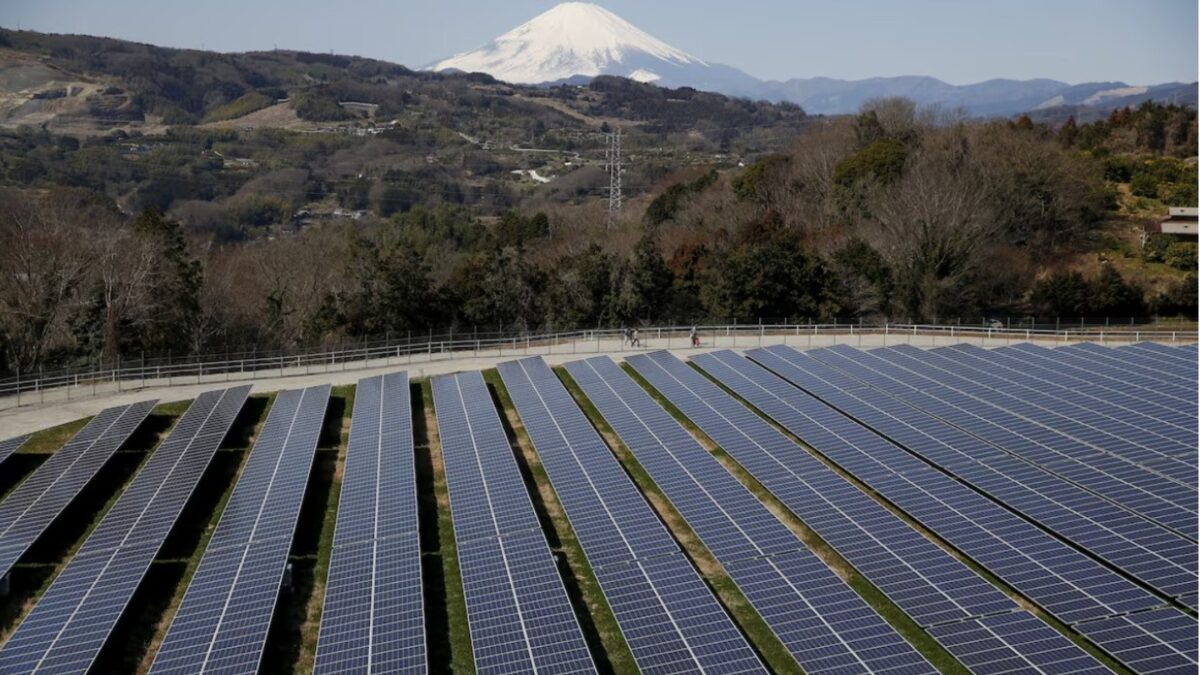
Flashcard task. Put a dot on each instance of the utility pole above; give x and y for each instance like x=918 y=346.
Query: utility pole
x=613 y=157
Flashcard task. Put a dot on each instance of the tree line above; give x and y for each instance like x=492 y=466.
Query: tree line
x=897 y=213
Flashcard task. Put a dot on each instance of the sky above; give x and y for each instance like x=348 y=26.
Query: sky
x=959 y=41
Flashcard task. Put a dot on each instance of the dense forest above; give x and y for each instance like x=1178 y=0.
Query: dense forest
x=200 y=236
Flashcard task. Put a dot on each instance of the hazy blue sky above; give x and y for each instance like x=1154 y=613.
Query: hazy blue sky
x=960 y=41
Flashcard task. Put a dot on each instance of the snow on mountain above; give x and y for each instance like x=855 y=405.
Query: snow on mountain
x=577 y=41
x=1119 y=92
x=570 y=40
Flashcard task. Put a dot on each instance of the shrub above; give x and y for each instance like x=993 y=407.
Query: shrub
x=1181 y=255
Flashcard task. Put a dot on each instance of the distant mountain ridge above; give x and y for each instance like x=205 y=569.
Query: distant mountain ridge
x=576 y=41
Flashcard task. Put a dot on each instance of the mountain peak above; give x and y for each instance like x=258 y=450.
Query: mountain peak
x=572 y=39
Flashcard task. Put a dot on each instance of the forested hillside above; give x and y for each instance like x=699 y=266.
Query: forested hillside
x=163 y=201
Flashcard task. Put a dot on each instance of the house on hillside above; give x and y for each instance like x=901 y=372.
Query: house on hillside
x=1182 y=222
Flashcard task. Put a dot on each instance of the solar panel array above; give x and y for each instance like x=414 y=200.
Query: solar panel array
x=374 y=617
x=222 y=623
x=10 y=446
x=1013 y=643
x=1063 y=581
x=34 y=504
x=518 y=612
x=669 y=617
x=1159 y=487
x=1171 y=400
x=1118 y=406
x=1140 y=548
x=930 y=585
x=71 y=622
x=1162 y=641
x=904 y=395
x=825 y=625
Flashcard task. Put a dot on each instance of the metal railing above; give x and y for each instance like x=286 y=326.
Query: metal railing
x=70 y=385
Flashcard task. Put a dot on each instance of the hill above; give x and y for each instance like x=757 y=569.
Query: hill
x=161 y=201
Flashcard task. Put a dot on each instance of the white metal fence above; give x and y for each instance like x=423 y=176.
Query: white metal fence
x=68 y=386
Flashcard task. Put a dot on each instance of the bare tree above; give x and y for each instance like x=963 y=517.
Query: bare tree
x=931 y=224
x=44 y=262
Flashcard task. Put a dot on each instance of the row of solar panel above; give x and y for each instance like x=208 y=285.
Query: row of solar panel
x=1166 y=560
x=522 y=616
x=66 y=629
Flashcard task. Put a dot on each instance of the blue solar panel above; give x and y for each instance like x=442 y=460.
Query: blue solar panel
x=1177 y=360
x=669 y=617
x=518 y=611
x=1112 y=436
x=1167 y=419
x=1156 y=556
x=73 y=619
x=11 y=445
x=1104 y=373
x=222 y=623
x=1175 y=439
x=926 y=582
x=373 y=618
x=825 y=625
x=1014 y=643
x=34 y=504
x=1161 y=641
x=1139 y=490
x=1065 y=582
x=1147 y=445
x=1135 y=362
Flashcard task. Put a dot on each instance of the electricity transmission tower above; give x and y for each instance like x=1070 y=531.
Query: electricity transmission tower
x=613 y=157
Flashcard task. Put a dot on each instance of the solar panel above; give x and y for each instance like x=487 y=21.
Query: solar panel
x=669 y=617
x=34 y=504
x=825 y=625
x=1014 y=643
x=222 y=623
x=10 y=446
x=1112 y=375
x=518 y=612
x=373 y=618
x=1147 y=445
x=1172 y=438
x=1170 y=356
x=1134 y=362
x=1144 y=402
x=1063 y=581
x=1139 y=490
x=1110 y=435
x=71 y=622
x=1157 y=557
x=927 y=583
x=1162 y=641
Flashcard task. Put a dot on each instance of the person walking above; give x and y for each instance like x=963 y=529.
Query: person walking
x=636 y=338
x=626 y=338
x=695 y=337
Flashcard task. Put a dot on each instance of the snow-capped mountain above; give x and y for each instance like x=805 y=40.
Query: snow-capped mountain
x=578 y=41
